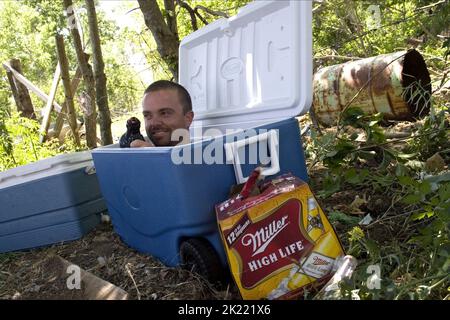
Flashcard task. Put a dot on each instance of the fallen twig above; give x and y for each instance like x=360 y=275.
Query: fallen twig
x=134 y=282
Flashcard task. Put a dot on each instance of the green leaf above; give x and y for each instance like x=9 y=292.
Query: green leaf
x=425 y=187
x=412 y=198
x=344 y=145
x=406 y=181
x=444 y=192
x=331 y=153
x=372 y=248
x=342 y=218
x=331 y=184
x=434 y=201
x=401 y=170
x=364 y=173
x=383 y=180
x=415 y=164
x=354 y=177
x=352 y=115
x=376 y=135
x=422 y=215
x=425 y=240
x=405 y=155
x=387 y=159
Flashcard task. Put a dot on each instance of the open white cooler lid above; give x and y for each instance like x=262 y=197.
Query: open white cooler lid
x=250 y=69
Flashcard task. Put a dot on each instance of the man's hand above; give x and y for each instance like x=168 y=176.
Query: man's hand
x=140 y=144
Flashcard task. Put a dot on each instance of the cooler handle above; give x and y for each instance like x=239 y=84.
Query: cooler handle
x=89 y=170
x=232 y=154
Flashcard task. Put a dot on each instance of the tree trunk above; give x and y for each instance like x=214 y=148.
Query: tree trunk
x=100 y=77
x=74 y=85
x=87 y=105
x=59 y=122
x=88 y=77
x=167 y=41
x=14 y=91
x=24 y=104
x=65 y=77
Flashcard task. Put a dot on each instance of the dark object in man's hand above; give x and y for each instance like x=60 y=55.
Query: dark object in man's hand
x=133 y=133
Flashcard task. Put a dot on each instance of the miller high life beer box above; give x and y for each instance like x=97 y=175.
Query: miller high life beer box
x=277 y=241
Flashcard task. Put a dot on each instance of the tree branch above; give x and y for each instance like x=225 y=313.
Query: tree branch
x=201 y=17
x=191 y=11
x=166 y=41
x=212 y=12
x=431 y=5
x=129 y=11
x=320 y=7
x=171 y=18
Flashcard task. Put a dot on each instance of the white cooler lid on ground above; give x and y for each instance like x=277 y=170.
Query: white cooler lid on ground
x=254 y=67
x=45 y=168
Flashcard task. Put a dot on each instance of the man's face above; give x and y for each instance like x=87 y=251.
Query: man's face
x=163 y=113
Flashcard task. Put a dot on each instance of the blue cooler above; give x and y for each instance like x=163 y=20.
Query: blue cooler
x=248 y=76
x=49 y=201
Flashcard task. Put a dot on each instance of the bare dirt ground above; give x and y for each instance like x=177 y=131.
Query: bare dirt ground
x=33 y=274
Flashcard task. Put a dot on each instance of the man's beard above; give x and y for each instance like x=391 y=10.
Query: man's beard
x=162 y=141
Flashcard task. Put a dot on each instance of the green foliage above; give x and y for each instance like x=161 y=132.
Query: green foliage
x=26 y=37
x=370 y=124
x=229 y=8
x=124 y=91
x=432 y=196
x=338 y=148
x=330 y=150
x=406 y=271
x=352 y=28
x=432 y=137
x=414 y=263
x=19 y=143
x=338 y=216
x=6 y=143
x=30 y=36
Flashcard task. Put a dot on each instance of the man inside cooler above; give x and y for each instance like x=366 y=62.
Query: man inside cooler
x=167 y=111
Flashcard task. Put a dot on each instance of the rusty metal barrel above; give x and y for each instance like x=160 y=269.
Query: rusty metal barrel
x=398 y=85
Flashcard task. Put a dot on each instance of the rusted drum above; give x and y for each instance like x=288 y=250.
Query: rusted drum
x=397 y=85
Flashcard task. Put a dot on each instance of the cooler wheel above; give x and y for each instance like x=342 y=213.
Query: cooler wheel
x=199 y=256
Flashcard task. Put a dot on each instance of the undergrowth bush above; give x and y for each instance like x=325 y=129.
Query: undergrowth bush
x=404 y=252
x=19 y=142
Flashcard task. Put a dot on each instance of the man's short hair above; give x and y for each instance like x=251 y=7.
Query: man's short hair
x=183 y=94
